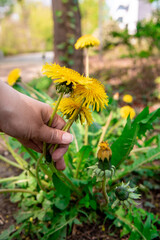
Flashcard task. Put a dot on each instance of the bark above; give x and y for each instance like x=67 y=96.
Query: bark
x=67 y=29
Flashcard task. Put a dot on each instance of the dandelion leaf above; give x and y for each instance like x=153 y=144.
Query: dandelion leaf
x=124 y=144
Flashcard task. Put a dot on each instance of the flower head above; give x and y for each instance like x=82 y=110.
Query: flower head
x=62 y=75
x=103 y=167
x=86 y=41
x=126 y=111
x=93 y=92
x=69 y=107
x=127 y=98
x=125 y=195
x=104 y=151
x=14 y=76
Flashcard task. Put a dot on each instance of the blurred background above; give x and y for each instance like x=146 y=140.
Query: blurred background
x=33 y=32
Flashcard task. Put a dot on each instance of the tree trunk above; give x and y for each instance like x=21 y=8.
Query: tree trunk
x=67 y=29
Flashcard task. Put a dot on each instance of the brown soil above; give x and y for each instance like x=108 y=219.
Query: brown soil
x=7 y=209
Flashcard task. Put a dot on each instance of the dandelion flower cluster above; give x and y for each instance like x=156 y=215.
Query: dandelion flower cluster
x=69 y=107
x=127 y=98
x=14 y=76
x=86 y=41
x=126 y=111
x=84 y=92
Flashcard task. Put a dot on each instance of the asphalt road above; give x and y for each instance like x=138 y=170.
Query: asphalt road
x=30 y=64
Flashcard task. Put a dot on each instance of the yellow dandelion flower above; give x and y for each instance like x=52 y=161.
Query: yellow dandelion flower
x=93 y=93
x=104 y=151
x=127 y=98
x=13 y=76
x=68 y=107
x=62 y=74
x=126 y=111
x=86 y=41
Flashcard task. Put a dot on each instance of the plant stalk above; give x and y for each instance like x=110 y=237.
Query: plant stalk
x=87 y=75
x=105 y=129
x=113 y=128
x=10 y=162
x=104 y=191
x=17 y=190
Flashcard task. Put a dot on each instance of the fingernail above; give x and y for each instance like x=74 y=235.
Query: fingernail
x=67 y=138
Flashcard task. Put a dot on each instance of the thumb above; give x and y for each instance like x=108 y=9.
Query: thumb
x=54 y=136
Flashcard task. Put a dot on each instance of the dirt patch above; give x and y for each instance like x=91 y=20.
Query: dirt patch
x=7 y=209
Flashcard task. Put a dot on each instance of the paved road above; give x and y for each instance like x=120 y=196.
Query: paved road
x=30 y=64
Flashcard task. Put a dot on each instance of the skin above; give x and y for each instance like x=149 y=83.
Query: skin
x=26 y=119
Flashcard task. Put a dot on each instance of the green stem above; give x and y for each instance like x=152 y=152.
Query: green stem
x=143 y=149
x=87 y=75
x=78 y=166
x=42 y=166
x=104 y=190
x=9 y=179
x=51 y=120
x=10 y=162
x=75 y=139
x=124 y=220
x=31 y=89
x=55 y=109
x=69 y=123
x=17 y=190
x=37 y=173
x=30 y=153
x=19 y=160
x=87 y=62
x=44 y=144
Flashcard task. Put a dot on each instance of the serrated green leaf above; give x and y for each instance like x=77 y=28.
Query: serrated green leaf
x=6 y=233
x=61 y=188
x=151 y=155
x=147 y=228
x=22 y=216
x=145 y=120
x=124 y=144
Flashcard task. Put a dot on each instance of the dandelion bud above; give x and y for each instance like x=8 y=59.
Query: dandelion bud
x=104 y=152
x=122 y=193
x=125 y=196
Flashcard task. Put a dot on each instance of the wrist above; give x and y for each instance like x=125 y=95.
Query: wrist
x=8 y=103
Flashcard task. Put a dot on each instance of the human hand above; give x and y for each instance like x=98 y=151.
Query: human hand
x=26 y=119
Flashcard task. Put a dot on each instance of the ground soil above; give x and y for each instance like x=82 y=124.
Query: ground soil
x=7 y=209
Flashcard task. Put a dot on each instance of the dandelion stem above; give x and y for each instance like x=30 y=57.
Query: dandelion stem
x=37 y=173
x=10 y=162
x=87 y=63
x=87 y=75
x=113 y=128
x=17 y=190
x=29 y=88
x=105 y=129
x=51 y=120
x=104 y=190
x=55 y=109
x=18 y=159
